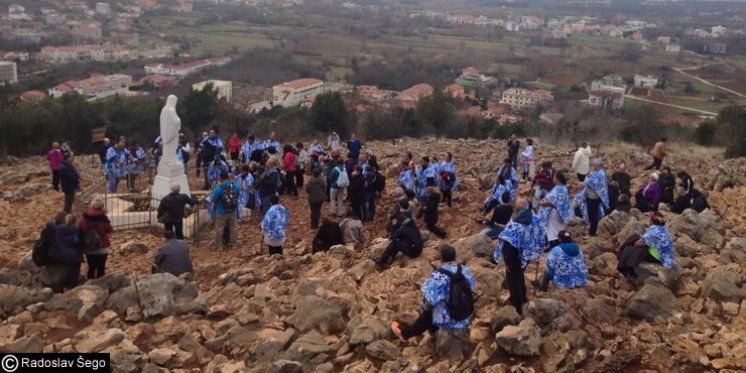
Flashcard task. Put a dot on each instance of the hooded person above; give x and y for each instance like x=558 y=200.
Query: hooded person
x=436 y=313
x=565 y=265
x=522 y=240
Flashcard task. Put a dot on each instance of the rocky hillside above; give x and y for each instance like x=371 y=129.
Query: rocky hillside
x=245 y=311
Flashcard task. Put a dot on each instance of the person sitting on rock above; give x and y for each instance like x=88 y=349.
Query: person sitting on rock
x=67 y=250
x=522 y=240
x=648 y=195
x=402 y=206
x=430 y=211
x=328 y=235
x=500 y=217
x=565 y=265
x=655 y=246
x=353 y=231
x=438 y=310
x=623 y=204
x=406 y=238
x=172 y=257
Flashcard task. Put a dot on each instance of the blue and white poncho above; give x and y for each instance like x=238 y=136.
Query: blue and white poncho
x=214 y=170
x=137 y=165
x=275 y=221
x=269 y=143
x=560 y=200
x=579 y=199
x=426 y=176
x=245 y=191
x=451 y=168
x=529 y=239
x=596 y=180
x=215 y=141
x=116 y=162
x=567 y=271
x=512 y=176
x=317 y=148
x=498 y=190
x=406 y=179
x=248 y=148
x=436 y=289
x=657 y=236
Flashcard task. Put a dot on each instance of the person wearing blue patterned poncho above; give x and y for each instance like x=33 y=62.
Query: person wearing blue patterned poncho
x=597 y=194
x=555 y=210
x=522 y=240
x=115 y=165
x=272 y=143
x=247 y=195
x=508 y=173
x=217 y=167
x=435 y=310
x=406 y=177
x=565 y=265
x=426 y=177
x=655 y=246
x=492 y=200
x=273 y=226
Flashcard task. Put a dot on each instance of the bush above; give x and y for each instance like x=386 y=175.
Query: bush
x=732 y=130
x=705 y=133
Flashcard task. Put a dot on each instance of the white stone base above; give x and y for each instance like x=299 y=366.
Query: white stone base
x=168 y=173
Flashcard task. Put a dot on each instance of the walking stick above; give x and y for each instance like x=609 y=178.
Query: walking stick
x=536 y=276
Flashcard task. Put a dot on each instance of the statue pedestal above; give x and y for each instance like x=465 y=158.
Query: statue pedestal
x=169 y=172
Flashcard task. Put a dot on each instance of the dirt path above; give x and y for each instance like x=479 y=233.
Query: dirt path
x=703 y=81
x=670 y=105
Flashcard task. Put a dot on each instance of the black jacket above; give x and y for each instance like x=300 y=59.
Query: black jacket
x=69 y=177
x=430 y=210
x=328 y=235
x=624 y=180
x=268 y=182
x=171 y=208
x=409 y=233
x=501 y=215
x=356 y=189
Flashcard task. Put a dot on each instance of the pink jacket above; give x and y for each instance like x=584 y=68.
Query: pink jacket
x=54 y=156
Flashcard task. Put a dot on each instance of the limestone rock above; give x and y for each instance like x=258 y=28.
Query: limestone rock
x=362 y=269
x=523 y=339
x=96 y=340
x=724 y=283
x=133 y=248
x=368 y=331
x=503 y=317
x=314 y=311
x=650 y=272
x=87 y=301
x=479 y=244
x=383 y=350
x=613 y=223
x=652 y=301
x=307 y=346
x=15 y=298
x=157 y=294
x=285 y=366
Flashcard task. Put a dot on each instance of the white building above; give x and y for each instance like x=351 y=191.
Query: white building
x=673 y=48
x=645 y=81
x=224 y=88
x=521 y=98
x=8 y=72
x=293 y=93
x=608 y=92
x=103 y=8
x=101 y=86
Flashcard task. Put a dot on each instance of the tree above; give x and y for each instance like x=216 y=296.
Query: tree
x=198 y=108
x=642 y=125
x=435 y=112
x=329 y=113
x=732 y=129
x=630 y=52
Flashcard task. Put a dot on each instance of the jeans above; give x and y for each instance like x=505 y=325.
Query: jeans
x=315 y=214
x=96 y=265
x=222 y=222
x=593 y=205
x=176 y=227
x=69 y=199
x=56 y=179
x=337 y=198
x=656 y=164
x=423 y=323
x=113 y=183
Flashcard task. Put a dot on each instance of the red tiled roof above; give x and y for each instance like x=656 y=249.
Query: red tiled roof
x=301 y=83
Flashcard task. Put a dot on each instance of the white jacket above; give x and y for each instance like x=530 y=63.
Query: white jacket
x=581 y=163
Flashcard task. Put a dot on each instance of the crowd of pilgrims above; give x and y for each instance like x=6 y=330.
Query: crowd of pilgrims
x=247 y=177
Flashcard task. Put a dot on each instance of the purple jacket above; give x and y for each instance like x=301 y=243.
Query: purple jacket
x=652 y=193
x=54 y=156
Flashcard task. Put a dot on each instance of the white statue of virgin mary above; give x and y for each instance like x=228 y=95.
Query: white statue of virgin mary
x=170 y=127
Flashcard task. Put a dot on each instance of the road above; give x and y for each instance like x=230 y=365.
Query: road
x=703 y=81
x=671 y=105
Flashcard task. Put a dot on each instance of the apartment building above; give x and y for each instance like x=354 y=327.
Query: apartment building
x=293 y=93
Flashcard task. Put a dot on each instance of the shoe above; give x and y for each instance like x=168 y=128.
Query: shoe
x=397 y=330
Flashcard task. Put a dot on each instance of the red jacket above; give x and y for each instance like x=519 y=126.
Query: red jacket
x=234 y=144
x=288 y=161
x=97 y=220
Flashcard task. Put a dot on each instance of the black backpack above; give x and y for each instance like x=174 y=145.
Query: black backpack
x=460 y=296
x=40 y=251
x=380 y=182
x=230 y=197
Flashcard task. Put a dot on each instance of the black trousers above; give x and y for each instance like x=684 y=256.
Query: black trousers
x=315 y=214
x=72 y=278
x=396 y=246
x=432 y=227
x=514 y=277
x=290 y=187
x=423 y=323
x=447 y=196
x=656 y=164
x=69 y=200
x=630 y=257
x=96 y=265
x=274 y=250
x=56 y=179
x=593 y=218
x=299 y=172
x=234 y=156
x=489 y=206
x=369 y=206
x=176 y=227
x=581 y=178
x=356 y=205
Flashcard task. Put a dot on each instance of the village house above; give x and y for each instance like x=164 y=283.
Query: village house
x=673 y=48
x=158 y=81
x=521 y=98
x=82 y=53
x=223 y=87
x=33 y=95
x=184 y=69
x=608 y=92
x=293 y=93
x=645 y=81
x=95 y=87
x=63 y=89
x=8 y=73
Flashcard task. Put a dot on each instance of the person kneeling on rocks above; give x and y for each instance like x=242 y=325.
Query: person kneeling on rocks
x=655 y=246
x=172 y=257
x=406 y=238
x=565 y=265
x=448 y=299
x=328 y=235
